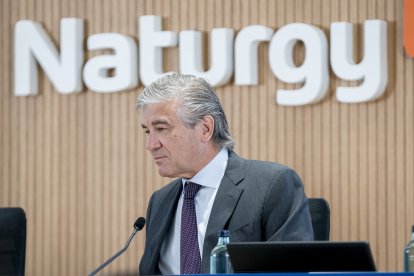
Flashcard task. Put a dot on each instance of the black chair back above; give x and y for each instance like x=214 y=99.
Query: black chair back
x=320 y=215
x=12 y=241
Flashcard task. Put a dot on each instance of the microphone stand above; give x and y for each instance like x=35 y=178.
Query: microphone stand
x=138 y=225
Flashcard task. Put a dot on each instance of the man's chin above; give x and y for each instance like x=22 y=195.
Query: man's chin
x=165 y=174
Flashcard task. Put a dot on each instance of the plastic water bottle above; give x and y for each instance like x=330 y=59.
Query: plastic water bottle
x=409 y=254
x=219 y=258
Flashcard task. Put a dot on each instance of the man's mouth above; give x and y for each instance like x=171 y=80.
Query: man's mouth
x=158 y=158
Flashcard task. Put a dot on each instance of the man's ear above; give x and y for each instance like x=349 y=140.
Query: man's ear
x=207 y=128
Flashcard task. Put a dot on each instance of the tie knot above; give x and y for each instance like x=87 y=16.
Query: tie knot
x=190 y=190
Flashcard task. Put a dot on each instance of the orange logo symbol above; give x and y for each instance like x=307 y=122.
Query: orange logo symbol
x=409 y=27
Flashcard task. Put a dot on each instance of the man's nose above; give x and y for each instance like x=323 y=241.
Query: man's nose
x=152 y=142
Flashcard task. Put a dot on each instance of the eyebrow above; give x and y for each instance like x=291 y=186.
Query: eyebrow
x=157 y=122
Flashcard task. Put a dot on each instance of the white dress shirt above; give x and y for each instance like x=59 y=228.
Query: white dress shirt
x=209 y=178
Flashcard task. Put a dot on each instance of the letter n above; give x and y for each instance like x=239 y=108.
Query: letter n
x=32 y=44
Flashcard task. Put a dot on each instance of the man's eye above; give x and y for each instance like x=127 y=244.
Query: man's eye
x=146 y=131
x=160 y=129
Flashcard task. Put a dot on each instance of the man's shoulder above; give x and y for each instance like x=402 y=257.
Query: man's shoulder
x=258 y=175
x=269 y=170
x=260 y=165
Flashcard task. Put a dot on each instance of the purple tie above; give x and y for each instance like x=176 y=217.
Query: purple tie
x=190 y=260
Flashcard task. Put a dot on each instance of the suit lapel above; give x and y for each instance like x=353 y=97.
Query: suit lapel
x=224 y=204
x=162 y=218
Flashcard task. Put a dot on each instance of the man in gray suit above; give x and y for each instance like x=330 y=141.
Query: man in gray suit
x=188 y=136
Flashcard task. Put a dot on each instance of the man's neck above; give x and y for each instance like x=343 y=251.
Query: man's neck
x=207 y=156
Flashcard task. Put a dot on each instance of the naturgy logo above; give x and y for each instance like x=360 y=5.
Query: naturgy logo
x=231 y=54
x=409 y=27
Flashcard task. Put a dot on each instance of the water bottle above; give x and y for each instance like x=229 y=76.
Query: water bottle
x=409 y=254
x=219 y=258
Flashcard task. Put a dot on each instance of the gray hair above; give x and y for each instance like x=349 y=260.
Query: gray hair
x=196 y=100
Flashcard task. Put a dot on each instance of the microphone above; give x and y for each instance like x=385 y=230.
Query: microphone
x=138 y=225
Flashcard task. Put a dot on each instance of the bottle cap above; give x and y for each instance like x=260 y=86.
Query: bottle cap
x=223 y=233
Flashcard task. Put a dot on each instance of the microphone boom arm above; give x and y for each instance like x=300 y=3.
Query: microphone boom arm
x=139 y=224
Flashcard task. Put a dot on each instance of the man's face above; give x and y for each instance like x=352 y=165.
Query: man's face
x=177 y=150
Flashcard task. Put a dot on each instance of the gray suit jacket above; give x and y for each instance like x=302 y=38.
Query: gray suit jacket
x=256 y=200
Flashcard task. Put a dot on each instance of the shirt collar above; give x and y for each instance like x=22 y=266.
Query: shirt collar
x=213 y=172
